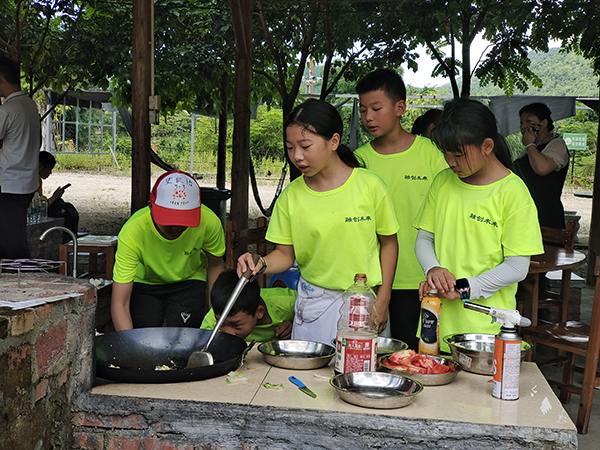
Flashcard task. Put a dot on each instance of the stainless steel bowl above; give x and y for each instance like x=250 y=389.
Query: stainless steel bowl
x=296 y=354
x=475 y=352
x=385 y=346
x=426 y=379
x=376 y=389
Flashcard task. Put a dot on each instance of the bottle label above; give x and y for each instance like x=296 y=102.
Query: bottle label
x=429 y=342
x=429 y=326
x=355 y=354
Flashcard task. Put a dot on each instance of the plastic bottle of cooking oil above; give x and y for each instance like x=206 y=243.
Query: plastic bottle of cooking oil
x=429 y=339
x=356 y=341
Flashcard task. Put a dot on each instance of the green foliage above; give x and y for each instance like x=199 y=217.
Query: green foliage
x=266 y=135
x=123 y=145
x=91 y=163
x=514 y=145
x=440 y=23
x=62 y=43
x=561 y=73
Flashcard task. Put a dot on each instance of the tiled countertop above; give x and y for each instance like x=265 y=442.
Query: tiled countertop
x=467 y=399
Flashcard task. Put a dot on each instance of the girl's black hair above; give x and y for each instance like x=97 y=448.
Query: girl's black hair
x=320 y=117
x=467 y=122
x=540 y=111
x=421 y=123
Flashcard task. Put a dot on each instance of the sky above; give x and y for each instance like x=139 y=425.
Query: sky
x=422 y=78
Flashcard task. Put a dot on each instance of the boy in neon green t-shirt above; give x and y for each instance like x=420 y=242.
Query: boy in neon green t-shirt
x=261 y=314
x=408 y=164
x=168 y=257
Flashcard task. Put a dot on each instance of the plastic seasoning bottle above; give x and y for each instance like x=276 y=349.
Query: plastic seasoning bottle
x=36 y=207
x=429 y=339
x=44 y=209
x=356 y=342
x=30 y=213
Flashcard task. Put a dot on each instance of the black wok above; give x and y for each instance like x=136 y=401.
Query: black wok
x=132 y=356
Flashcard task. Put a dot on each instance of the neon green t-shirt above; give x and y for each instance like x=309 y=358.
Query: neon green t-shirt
x=408 y=175
x=144 y=256
x=334 y=233
x=475 y=228
x=280 y=306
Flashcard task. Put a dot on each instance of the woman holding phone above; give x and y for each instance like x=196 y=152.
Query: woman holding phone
x=543 y=164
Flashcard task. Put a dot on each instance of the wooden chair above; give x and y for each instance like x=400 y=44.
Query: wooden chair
x=545 y=299
x=548 y=299
x=574 y=339
x=236 y=242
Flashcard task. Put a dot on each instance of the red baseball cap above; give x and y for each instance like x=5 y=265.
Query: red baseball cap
x=175 y=200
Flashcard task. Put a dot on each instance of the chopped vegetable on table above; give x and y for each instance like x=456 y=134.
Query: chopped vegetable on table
x=268 y=385
x=413 y=362
x=236 y=378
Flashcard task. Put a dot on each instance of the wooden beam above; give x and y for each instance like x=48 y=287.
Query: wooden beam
x=140 y=82
x=594 y=239
x=241 y=15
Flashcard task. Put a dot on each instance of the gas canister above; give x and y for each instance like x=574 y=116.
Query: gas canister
x=507 y=364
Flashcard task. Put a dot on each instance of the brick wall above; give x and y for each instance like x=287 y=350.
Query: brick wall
x=48 y=248
x=45 y=361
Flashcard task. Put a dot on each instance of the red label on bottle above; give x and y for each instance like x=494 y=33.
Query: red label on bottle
x=356 y=355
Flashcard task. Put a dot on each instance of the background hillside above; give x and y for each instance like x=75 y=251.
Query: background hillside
x=563 y=74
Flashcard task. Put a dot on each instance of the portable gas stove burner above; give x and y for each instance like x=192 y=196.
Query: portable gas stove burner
x=28 y=265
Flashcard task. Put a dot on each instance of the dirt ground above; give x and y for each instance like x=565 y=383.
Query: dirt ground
x=103 y=201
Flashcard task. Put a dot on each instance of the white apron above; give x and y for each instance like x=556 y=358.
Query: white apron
x=317 y=313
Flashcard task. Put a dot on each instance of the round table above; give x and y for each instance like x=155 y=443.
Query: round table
x=553 y=258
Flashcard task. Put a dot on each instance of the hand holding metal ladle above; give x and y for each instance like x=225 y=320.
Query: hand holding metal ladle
x=201 y=358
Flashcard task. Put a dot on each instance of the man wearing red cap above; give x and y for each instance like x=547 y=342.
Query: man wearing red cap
x=169 y=255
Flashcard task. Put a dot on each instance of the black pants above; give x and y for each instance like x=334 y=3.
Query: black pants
x=13 y=226
x=67 y=211
x=404 y=311
x=180 y=304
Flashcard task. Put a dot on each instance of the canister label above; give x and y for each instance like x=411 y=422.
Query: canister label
x=507 y=368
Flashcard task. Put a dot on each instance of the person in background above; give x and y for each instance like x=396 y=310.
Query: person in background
x=20 y=139
x=478 y=226
x=543 y=164
x=408 y=164
x=57 y=207
x=336 y=220
x=425 y=123
x=168 y=257
x=261 y=314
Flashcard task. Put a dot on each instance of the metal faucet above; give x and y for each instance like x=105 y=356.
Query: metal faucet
x=66 y=230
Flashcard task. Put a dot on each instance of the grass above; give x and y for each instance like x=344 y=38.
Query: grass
x=205 y=164
x=268 y=170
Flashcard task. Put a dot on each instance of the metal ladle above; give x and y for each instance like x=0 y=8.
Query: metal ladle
x=66 y=230
x=201 y=358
